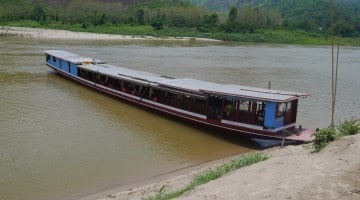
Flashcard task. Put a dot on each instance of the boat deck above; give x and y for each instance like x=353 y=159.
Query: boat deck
x=305 y=135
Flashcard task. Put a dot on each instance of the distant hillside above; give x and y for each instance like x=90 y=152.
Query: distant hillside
x=124 y=2
x=224 y=5
x=212 y=17
x=107 y=1
x=310 y=15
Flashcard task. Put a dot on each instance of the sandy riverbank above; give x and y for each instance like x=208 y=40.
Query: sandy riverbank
x=292 y=172
x=39 y=33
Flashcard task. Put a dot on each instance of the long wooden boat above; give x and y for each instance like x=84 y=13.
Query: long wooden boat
x=250 y=111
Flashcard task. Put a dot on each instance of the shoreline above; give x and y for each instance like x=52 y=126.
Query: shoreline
x=291 y=172
x=60 y=34
x=176 y=178
x=40 y=33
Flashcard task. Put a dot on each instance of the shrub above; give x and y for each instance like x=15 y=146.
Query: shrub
x=157 y=24
x=349 y=127
x=323 y=137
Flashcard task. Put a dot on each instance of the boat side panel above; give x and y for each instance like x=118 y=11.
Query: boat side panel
x=73 y=69
x=271 y=122
x=279 y=122
x=64 y=65
x=53 y=61
x=270 y=111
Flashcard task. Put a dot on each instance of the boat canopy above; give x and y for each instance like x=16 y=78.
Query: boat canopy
x=73 y=58
x=186 y=84
x=125 y=73
x=232 y=90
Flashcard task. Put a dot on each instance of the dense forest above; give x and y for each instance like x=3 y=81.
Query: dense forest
x=309 y=15
x=200 y=16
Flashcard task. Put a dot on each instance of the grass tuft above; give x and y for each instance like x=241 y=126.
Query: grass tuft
x=209 y=176
x=349 y=127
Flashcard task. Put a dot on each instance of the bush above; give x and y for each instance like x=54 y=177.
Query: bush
x=349 y=127
x=157 y=24
x=323 y=137
x=326 y=135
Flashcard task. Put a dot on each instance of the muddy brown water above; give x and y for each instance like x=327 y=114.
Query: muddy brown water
x=59 y=140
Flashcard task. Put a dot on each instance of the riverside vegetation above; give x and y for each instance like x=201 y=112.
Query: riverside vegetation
x=274 y=21
x=324 y=136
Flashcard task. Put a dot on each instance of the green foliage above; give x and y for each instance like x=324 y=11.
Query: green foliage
x=233 y=14
x=211 y=20
x=25 y=23
x=39 y=13
x=349 y=127
x=248 y=19
x=258 y=21
x=209 y=176
x=157 y=24
x=140 y=16
x=326 y=135
x=308 y=15
x=323 y=137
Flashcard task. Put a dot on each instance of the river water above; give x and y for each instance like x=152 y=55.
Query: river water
x=59 y=140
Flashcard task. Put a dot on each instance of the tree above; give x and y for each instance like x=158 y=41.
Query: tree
x=140 y=16
x=157 y=24
x=233 y=14
x=39 y=13
x=211 y=21
x=231 y=25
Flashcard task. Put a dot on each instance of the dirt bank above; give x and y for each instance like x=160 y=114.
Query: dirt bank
x=292 y=172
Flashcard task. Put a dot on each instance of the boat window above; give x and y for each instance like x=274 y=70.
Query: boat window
x=288 y=106
x=214 y=107
x=86 y=74
x=54 y=59
x=247 y=112
x=47 y=57
x=281 y=108
x=229 y=109
x=244 y=105
x=260 y=110
x=199 y=106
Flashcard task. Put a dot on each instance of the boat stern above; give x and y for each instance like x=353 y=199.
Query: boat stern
x=301 y=135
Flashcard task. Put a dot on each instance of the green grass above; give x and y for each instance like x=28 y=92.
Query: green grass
x=349 y=127
x=24 y=23
x=164 y=194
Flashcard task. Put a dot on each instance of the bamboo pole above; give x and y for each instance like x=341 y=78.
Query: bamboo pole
x=335 y=67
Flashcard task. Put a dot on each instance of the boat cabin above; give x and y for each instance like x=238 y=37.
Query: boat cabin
x=239 y=105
